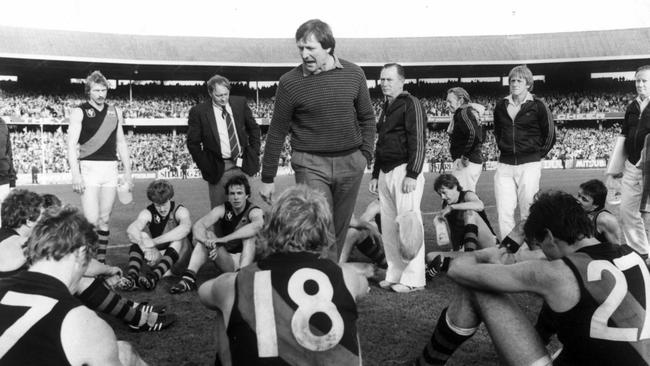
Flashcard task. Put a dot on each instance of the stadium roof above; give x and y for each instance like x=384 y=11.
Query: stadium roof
x=75 y=54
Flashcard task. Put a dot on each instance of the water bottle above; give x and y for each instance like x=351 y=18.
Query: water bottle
x=442 y=230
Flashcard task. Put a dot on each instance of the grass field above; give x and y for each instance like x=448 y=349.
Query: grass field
x=393 y=327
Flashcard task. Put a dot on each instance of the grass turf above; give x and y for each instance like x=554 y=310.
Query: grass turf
x=393 y=328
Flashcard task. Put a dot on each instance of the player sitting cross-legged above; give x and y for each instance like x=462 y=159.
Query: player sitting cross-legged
x=294 y=306
x=167 y=242
x=236 y=222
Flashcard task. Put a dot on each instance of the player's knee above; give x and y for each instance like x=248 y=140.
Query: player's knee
x=470 y=216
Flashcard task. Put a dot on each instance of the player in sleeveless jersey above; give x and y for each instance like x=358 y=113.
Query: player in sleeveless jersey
x=95 y=139
x=596 y=293
x=266 y=311
x=167 y=242
x=592 y=196
x=231 y=245
x=41 y=323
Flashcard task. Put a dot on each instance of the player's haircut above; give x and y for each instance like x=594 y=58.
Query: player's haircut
x=642 y=68
x=561 y=214
x=95 y=77
x=523 y=72
x=399 y=68
x=59 y=233
x=321 y=31
x=50 y=201
x=461 y=94
x=218 y=80
x=300 y=220
x=19 y=206
x=448 y=181
x=238 y=180
x=160 y=191
x=596 y=190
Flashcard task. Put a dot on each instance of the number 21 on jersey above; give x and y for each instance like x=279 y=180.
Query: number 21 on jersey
x=599 y=328
x=308 y=305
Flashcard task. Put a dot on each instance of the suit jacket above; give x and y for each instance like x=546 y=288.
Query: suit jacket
x=203 y=138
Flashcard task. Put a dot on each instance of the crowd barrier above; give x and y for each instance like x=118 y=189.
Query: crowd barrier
x=64 y=178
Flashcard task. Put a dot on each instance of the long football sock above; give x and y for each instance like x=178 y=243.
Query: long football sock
x=165 y=263
x=136 y=257
x=373 y=251
x=470 y=237
x=189 y=276
x=102 y=245
x=100 y=298
x=445 y=340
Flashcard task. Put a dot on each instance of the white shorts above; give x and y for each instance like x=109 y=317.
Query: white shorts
x=99 y=173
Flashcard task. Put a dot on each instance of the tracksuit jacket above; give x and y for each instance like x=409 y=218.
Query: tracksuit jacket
x=467 y=135
x=401 y=136
x=529 y=137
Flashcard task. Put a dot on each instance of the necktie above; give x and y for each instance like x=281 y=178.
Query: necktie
x=232 y=134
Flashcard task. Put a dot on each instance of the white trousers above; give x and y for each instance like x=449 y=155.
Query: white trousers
x=4 y=192
x=392 y=203
x=634 y=224
x=467 y=175
x=515 y=185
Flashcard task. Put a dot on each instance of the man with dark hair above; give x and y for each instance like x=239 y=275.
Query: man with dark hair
x=228 y=231
x=266 y=311
x=326 y=105
x=42 y=323
x=95 y=139
x=19 y=212
x=465 y=137
x=397 y=176
x=525 y=133
x=592 y=196
x=223 y=138
x=167 y=242
x=596 y=293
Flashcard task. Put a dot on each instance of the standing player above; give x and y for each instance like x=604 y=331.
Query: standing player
x=397 y=176
x=168 y=241
x=238 y=220
x=596 y=293
x=326 y=105
x=525 y=133
x=292 y=307
x=466 y=138
x=96 y=127
x=41 y=322
x=628 y=160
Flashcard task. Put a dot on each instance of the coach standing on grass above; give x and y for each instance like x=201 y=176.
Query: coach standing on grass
x=326 y=104
x=223 y=138
x=525 y=133
x=397 y=175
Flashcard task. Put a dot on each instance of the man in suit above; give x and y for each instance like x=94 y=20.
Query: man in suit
x=223 y=138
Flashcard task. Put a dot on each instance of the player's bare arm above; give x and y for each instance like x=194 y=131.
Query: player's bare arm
x=97 y=268
x=247 y=231
x=218 y=294
x=136 y=228
x=608 y=225
x=88 y=340
x=74 y=131
x=179 y=232
x=472 y=202
x=356 y=284
x=202 y=227
x=12 y=256
x=123 y=149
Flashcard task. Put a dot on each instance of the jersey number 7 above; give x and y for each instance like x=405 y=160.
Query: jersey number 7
x=38 y=305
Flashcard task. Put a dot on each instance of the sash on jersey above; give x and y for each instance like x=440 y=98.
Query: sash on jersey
x=102 y=135
x=288 y=348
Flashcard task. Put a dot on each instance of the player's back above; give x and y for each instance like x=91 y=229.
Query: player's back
x=293 y=309
x=32 y=309
x=608 y=325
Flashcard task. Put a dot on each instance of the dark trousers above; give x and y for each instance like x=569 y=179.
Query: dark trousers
x=339 y=178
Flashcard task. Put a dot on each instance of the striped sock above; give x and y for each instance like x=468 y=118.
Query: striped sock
x=102 y=245
x=189 y=276
x=373 y=251
x=136 y=257
x=470 y=238
x=443 y=343
x=165 y=263
x=100 y=298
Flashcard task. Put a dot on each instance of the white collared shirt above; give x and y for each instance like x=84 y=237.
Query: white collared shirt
x=222 y=127
x=513 y=108
x=642 y=103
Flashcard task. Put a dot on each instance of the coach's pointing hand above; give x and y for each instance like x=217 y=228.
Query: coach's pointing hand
x=266 y=191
